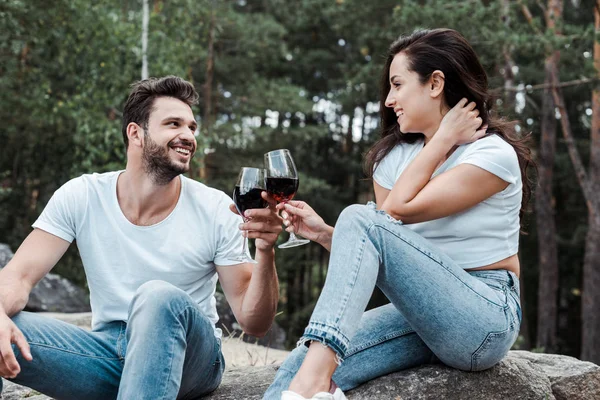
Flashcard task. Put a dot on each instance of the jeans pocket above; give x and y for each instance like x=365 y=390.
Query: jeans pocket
x=494 y=347
x=514 y=306
x=499 y=288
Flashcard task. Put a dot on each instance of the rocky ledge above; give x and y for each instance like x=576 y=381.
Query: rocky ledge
x=521 y=375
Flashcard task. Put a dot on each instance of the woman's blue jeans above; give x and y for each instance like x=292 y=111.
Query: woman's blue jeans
x=438 y=311
x=167 y=350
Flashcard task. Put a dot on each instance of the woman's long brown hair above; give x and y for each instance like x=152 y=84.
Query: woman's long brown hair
x=448 y=51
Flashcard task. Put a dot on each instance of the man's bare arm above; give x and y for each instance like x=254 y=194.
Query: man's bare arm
x=36 y=256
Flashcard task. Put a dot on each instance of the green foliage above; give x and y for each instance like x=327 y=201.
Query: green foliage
x=301 y=75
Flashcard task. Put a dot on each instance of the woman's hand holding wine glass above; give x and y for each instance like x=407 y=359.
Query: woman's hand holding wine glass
x=282 y=184
x=299 y=217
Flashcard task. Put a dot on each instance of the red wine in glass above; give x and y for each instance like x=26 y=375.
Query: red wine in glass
x=282 y=189
x=248 y=199
x=247 y=195
x=282 y=184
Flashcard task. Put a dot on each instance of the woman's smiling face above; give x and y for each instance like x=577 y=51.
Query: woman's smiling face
x=415 y=104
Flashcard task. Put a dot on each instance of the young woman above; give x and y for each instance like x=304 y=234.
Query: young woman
x=441 y=242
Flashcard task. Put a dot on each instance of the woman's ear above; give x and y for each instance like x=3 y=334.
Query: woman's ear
x=436 y=83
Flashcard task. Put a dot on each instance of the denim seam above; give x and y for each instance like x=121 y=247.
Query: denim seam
x=72 y=352
x=319 y=334
x=173 y=346
x=355 y=270
x=483 y=346
x=119 y=349
x=439 y=262
x=344 y=343
x=319 y=326
x=390 y=336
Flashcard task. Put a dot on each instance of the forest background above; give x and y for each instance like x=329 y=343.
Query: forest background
x=304 y=75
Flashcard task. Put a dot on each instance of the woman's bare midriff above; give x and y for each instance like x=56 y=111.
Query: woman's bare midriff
x=510 y=264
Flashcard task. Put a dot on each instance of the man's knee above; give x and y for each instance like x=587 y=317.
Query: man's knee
x=154 y=296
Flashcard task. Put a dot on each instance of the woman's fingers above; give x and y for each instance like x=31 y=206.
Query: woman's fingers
x=296 y=211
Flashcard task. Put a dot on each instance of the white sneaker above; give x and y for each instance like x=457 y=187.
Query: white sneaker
x=337 y=395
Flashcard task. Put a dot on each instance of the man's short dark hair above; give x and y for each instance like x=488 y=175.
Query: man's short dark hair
x=140 y=102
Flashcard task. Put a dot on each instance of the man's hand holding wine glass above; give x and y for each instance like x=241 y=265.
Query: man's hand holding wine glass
x=263 y=224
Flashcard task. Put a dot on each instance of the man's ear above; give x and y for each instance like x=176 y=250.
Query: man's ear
x=436 y=83
x=135 y=134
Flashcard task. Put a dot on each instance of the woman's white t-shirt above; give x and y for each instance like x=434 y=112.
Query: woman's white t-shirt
x=485 y=233
x=118 y=256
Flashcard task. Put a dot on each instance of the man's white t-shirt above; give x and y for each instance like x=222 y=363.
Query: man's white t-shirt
x=118 y=256
x=485 y=233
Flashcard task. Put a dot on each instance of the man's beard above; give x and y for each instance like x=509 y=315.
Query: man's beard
x=157 y=163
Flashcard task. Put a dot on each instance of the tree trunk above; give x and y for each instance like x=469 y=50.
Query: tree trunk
x=323 y=261
x=291 y=300
x=301 y=275
x=590 y=335
x=145 y=21
x=309 y=274
x=210 y=63
x=509 y=77
x=546 y=227
x=525 y=331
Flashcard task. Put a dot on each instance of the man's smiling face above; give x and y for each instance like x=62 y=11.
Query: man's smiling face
x=169 y=141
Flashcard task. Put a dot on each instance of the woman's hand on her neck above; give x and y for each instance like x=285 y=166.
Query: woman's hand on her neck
x=459 y=126
x=462 y=124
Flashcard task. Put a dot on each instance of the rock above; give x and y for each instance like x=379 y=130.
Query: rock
x=5 y=255
x=15 y=392
x=247 y=383
x=275 y=338
x=57 y=294
x=520 y=376
x=53 y=293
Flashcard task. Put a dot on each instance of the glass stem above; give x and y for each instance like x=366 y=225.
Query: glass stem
x=245 y=241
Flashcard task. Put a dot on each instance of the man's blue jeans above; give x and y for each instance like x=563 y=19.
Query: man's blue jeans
x=438 y=311
x=167 y=350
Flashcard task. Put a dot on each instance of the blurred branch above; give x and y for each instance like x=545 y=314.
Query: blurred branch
x=542 y=86
x=542 y=7
x=584 y=182
x=529 y=17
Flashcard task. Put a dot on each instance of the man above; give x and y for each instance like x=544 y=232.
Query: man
x=153 y=244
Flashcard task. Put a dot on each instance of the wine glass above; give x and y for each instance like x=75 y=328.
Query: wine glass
x=247 y=195
x=282 y=184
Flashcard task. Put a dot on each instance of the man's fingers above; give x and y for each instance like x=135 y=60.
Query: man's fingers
x=261 y=227
x=269 y=237
x=22 y=344
x=233 y=209
x=261 y=213
x=10 y=362
x=272 y=202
